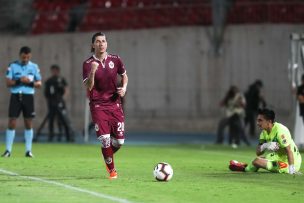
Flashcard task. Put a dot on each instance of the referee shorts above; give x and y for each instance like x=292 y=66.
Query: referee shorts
x=21 y=103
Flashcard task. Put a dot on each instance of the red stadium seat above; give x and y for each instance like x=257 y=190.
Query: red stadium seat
x=138 y=14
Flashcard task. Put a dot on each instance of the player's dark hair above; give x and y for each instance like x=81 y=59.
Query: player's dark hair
x=267 y=114
x=97 y=34
x=25 y=50
x=55 y=67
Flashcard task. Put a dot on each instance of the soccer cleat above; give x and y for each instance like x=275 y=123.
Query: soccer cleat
x=113 y=174
x=6 y=154
x=29 y=154
x=237 y=166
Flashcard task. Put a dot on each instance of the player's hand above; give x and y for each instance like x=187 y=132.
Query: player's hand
x=121 y=91
x=292 y=169
x=271 y=146
x=274 y=146
x=264 y=146
x=94 y=66
x=25 y=80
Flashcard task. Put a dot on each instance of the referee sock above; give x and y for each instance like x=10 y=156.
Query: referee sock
x=28 y=135
x=10 y=135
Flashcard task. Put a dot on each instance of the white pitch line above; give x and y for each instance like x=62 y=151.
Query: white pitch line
x=104 y=196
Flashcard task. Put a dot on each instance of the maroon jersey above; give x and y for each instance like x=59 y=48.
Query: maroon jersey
x=104 y=90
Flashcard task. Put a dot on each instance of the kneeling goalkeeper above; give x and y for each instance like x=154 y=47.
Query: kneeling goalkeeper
x=276 y=151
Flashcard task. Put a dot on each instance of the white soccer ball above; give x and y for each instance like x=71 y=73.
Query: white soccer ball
x=163 y=171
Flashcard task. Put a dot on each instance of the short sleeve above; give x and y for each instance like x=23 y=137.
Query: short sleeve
x=284 y=138
x=37 y=74
x=64 y=82
x=121 y=68
x=9 y=72
x=262 y=138
x=85 y=70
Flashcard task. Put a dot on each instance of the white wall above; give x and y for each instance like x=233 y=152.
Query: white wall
x=175 y=81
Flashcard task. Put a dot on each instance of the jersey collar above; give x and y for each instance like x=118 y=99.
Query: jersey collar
x=103 y=61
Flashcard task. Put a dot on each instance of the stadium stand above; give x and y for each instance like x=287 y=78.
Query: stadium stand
x=55 y=16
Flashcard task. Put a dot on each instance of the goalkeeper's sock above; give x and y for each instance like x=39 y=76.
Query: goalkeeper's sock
x=10 y=135
x=251 y=168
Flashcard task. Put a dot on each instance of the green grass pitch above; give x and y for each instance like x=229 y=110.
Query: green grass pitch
x=76 y=173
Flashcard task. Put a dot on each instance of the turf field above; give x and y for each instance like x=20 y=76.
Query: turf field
x=75 y=173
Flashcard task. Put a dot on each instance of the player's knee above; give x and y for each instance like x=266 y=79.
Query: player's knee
x=105 y=140
x=117 y=142
x=256 y=162
x=120 y=141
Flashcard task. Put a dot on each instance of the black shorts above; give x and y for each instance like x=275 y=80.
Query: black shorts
x=21 y=102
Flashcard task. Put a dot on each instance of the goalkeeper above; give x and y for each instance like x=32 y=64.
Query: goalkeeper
x=276 y=151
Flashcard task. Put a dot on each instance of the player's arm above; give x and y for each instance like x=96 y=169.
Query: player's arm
x=299 y=94
x=259 y=150
x=124 y=81
x=66 y=89
x=289 y=155
x=301 y=98
x=89 y=82
x=66 y=92
x=28 y=82
x=11 y=83
x=37 y=84
x=270 y=146
x=290 y=158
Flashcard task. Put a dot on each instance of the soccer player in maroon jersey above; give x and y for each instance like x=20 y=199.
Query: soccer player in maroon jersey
x=100 y=74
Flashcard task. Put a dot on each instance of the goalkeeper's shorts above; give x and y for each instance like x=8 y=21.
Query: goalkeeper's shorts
x=281 y=166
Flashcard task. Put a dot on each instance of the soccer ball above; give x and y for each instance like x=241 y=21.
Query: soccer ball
x=163 y=172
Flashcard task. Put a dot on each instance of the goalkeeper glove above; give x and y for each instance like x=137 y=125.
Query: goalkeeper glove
x=271 y=146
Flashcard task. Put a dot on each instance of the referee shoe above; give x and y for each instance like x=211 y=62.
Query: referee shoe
x=6 y=154
x=29 y=154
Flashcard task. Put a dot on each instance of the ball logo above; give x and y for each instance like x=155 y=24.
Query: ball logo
x=163 y=171
x=111 y=64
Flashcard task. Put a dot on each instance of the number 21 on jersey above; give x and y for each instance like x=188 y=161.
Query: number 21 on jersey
x=120 y=126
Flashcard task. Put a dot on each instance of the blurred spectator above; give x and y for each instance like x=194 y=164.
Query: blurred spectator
x=55 y=89
x=255 y=100
x=300 y=97
x=234 y=103
x=76 y=15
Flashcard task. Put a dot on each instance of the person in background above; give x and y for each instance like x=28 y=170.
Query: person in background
x=300 y=97
x=234 y=104
x=255 y=100
x=100 y=74
x=55 y=91
x=22 y=77
x=276 y=151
